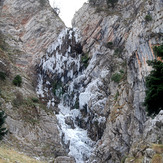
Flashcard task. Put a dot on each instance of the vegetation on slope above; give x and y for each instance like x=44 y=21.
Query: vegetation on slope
x=154 y=84
x=9 y=155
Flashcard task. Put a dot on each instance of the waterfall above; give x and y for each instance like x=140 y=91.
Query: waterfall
x=61 y=83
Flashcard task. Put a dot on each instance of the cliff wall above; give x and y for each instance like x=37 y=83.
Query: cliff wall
x=30 y=26
x=27 y=28
x=122 y=40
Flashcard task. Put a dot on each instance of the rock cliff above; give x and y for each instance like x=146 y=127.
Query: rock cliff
x=27 y=28
x=90 y=80
x=122 y=40
x=30 y=26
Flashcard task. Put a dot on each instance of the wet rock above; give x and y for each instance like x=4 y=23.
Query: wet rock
x=69 y=121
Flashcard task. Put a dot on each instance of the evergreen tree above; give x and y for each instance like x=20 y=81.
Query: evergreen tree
x=159 y=51
x=154 y=84
x=3 y=131
x=17 y=80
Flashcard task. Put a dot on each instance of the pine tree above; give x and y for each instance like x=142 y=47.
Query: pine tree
x=159 y=51
x=3 y=131
x=154 y=84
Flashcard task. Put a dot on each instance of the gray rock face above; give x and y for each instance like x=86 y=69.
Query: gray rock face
x=149 y=148
x=153 y=129
x=30 y=26
x=38 y=139
x=26 y=30
x=124 y=34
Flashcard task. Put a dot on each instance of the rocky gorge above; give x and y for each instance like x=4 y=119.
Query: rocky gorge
x=83 y=88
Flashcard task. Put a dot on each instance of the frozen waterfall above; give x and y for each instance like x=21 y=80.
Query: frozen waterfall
x=60 y=82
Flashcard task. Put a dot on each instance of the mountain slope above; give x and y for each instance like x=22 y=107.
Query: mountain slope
x=26 y=30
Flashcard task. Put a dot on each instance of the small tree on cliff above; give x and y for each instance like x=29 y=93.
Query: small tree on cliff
x=154 y=84
x=17 y=80
x=3 y=131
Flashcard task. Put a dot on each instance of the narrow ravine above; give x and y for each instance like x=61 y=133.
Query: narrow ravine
x=60 y=82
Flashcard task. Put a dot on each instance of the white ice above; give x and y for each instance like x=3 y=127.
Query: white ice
x=80 y=144
x=39 y=89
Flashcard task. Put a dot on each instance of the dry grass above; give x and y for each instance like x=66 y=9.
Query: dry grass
x=134 y=160
x=158 y=148
x=157 y=158
x=8 y=155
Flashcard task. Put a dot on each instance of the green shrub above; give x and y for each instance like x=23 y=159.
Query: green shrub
x=2 y=75
x=116 y=96
x=123 y=159
x=109 y=45
x=35 y=100
x=117 y=77
x=76 y=106
x=148 y=18
x=17 y=80
x=85 y=60
x=111 y=2
x=154 y=85
x=3 y=130
x=118 y=52
x=158 y=50
x=121 y=71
